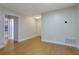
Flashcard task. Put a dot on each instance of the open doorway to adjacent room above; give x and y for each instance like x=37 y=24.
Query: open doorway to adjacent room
x=11 y=29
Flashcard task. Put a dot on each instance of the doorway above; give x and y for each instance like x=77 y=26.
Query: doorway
x=11 y=28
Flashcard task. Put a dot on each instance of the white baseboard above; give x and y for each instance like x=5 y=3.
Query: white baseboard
x=20 y=40
x=60 y=43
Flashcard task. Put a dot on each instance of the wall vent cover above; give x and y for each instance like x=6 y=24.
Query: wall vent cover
x=70 y=41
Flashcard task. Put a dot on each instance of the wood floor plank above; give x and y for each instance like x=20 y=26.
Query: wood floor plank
x=35 y=46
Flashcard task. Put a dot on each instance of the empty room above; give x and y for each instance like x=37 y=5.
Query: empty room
x=39 y=29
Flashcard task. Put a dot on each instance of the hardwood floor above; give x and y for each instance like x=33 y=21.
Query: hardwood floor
x=35 y=46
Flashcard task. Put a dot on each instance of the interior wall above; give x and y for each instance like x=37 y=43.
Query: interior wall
x=54 y=28
x=26 y=25
x=1 y=29
x=4 y=11
x=78 y=27
x=27 y=28
x=38 y=27
x=16 y=19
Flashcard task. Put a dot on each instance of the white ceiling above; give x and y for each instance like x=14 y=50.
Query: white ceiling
x=29 y=9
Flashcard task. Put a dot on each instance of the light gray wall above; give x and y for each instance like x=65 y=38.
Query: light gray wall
x=78 y=26
x=16 y=19
x=54 y=28
x=27 y=28
x=1 y=28
x=38 y=27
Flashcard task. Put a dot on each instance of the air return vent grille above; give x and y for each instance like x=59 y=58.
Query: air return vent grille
x=70 y=41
